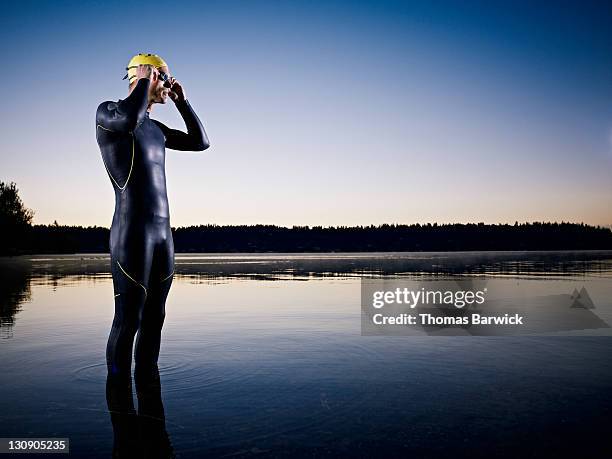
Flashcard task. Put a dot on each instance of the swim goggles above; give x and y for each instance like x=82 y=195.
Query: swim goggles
x=161 y=75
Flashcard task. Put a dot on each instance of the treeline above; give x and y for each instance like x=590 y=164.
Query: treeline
x=397 y=238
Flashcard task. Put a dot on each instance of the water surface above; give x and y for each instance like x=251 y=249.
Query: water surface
x=262 y=355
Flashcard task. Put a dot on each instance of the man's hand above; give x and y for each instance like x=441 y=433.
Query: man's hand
x=146 y=71
x=177 y=93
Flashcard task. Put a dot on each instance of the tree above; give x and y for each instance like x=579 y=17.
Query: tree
x=15 y=218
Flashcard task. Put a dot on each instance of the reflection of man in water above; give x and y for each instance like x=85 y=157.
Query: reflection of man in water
x=133 y=148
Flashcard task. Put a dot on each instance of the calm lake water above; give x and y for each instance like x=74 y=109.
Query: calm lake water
x=262 y=356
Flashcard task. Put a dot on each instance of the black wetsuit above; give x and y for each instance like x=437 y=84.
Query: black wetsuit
x=141 y=245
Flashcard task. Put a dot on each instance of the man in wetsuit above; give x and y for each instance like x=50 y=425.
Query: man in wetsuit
x=133 y=148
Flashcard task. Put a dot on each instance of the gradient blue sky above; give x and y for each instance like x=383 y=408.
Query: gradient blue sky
x=324 y=113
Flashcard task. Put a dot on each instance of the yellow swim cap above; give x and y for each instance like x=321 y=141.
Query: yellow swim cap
x=150 y=59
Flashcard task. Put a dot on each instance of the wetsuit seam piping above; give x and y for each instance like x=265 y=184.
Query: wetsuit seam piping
x=168 y=276
x=131 y=278
x=122 y=188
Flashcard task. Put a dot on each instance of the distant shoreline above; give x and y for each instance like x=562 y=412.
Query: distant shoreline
x=536 y=236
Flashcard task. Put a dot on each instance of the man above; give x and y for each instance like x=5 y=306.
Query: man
x=141 y=245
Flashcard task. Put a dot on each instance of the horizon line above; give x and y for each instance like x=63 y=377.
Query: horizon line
x=562 y=222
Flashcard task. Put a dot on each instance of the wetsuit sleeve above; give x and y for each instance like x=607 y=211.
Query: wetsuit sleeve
x=125 y=115
x=195 y=139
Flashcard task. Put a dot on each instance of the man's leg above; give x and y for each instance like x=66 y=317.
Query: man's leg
x=129 y=298
x=128 y=302
x=130 y=267
x=146 y=374
x=152 y=318
x=154 y=309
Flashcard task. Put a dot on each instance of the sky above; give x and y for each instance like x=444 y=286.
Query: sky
x=323 y=113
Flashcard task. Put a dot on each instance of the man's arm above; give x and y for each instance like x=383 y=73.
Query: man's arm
x=195 y=139
x=125 y=115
